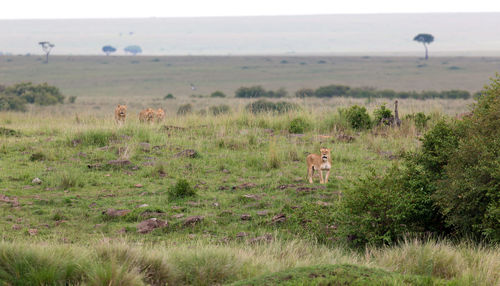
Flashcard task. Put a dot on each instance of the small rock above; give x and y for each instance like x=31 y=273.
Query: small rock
x=246 y=217
x=244 y=186
x=36 y=181
x=178 y=216
x=252 y=196
x=216 y=204
x=192 y=220
x=241 y=234
x=279 y=218
x=138 y=185
x=226 y=171
x=16 y=227
x=33 y=231
x=325 y=204
x=143 y=206
x=149 y=225
x=190 y=153
x=116 y=213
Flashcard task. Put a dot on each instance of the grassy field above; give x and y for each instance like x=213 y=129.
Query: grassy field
x=145 y=76
x=252 y=212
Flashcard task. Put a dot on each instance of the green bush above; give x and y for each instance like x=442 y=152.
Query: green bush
x=12 y=103
x=419 y=119
x=181 y=189
x=357 y=117
x=263 y=105
x=15 y=97
x=304 y=92
x=218 y=94
x=219 y=109
x=333 y=90
x=168 y=96
x=299 y=125
x=72 y=99
x=382 y=115
x=259 y=91
x=185 y=109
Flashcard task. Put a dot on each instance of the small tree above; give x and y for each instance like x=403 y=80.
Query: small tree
x=47 y=47
x=424 y=39
x=108 y=49
x=134 y=49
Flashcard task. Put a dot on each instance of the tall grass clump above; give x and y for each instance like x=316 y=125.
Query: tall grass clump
x=93 y=137
x=274 y=161
x=299 y=125
x=181 y=189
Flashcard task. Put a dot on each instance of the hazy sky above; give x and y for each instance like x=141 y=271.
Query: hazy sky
x=40 y=9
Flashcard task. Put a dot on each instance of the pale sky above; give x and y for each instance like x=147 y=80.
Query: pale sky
x=64 y=9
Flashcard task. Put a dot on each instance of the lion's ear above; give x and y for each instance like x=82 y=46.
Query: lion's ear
x=118 y=105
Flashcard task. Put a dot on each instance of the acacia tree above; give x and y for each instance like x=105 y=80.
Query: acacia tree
x=134 y=49
x=424 y=39
x=108 y=49
x=47 y=47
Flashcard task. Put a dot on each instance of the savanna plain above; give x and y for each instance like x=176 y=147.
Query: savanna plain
x=217 y=193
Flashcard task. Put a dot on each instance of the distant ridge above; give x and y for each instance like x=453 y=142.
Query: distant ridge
x=463 y=34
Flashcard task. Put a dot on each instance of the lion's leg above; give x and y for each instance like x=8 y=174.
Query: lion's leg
x=321 y=176
x=310 y=173
x=326 y=176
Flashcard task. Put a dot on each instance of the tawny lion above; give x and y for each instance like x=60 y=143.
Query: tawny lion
x=147 y=115
x=120 y=113
x=319 y=163
x=160 y=115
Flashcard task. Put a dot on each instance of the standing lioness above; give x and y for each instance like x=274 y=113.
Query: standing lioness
x=319 y=163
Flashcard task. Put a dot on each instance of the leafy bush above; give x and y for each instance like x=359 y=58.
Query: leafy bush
x=15 y=97
x=332 y=91
x=304 y=92
x=382 y=115
x=268 y=106
x=357 y=117
x=181 y=189
x=219 y=109
x=185 y=109
x=420 y=119
x=259 y=91
x=169 y=96
x=218 y=94
x=72 y=99
x=298 y=125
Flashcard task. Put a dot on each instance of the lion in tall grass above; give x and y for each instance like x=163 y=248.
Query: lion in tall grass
x=160 y=115
x=147 y=115
x=120 y=113
x=319 y=163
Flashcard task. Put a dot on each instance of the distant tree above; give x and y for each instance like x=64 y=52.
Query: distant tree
x=108 y=49
x=424 y=39
x=47 y=47
x=133 y=49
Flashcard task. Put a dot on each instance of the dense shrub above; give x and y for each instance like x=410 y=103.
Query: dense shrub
x=382 y=115
x=268 y=106
x=72 y=99
x=218 y=94
x=332 y=91
x=304 y=92
x=181 y=189
x=450 y=186
x=169 y=96
x=420 y=119
x=219 y=109
x=259 y=91
x=357 y=117
x=185 y=109
x=299 y=125
x=15 y=97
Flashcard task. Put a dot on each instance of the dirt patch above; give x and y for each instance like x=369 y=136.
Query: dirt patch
x=192 y=220
x=14 y=201
x=188 y=153
x=263 y=238
x=149 y=225
x=115 y=213
x=244 y=186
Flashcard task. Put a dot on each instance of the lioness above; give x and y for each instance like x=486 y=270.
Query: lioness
x=319 y=163
x=160 y=115
x=147 y=115
x=120 y=113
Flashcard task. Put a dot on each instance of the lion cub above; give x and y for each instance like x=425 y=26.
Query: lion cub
x=147 y=115
x=120 y=113
x=319 y=163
